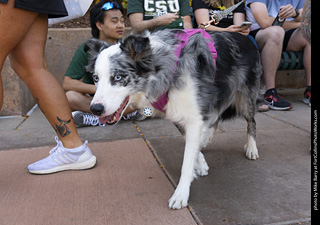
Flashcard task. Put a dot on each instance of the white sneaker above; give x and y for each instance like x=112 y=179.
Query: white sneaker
x=61 y=159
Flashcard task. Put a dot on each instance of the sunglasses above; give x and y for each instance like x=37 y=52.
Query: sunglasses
x=110 y=5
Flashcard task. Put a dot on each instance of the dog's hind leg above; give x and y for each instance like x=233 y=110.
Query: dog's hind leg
x=206 y=135
x=191 y=152
x=201 y=167
x=209 y=127
x=251 y=146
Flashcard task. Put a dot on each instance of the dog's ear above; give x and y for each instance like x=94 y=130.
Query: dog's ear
x=137 y=47
x=93 y=47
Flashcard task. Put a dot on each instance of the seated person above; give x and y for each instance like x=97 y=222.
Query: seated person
x=204 y=9
x=107 y=24
x=272 y=40
x=153 y=15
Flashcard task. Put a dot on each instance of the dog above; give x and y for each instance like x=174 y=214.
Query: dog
x=200 y=90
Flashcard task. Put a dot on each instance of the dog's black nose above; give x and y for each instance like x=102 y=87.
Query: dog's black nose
x=97 y=109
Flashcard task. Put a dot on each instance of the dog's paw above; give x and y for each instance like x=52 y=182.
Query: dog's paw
x=179 y=199
x=251 y=151
x=201 y=167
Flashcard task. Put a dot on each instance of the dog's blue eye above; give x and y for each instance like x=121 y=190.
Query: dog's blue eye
x=117 y=78
x=95 y=78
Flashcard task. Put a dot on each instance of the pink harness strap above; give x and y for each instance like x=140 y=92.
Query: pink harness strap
x=183 y=37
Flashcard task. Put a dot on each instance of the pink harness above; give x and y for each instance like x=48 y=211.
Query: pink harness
x=183 y=38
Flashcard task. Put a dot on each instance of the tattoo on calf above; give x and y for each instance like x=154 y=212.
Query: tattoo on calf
x=62 y=128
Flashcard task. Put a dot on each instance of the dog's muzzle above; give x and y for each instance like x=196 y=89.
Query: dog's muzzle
x=97 y=109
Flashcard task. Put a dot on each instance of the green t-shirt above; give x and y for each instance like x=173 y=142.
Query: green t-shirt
x=154 y=8
x=76 y=69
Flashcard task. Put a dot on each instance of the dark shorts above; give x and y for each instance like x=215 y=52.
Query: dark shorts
x=54 y=9
x=286 y=39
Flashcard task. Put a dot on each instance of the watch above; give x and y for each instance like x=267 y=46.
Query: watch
x=297 y=14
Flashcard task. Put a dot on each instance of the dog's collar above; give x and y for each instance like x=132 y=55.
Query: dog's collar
x=183 y=37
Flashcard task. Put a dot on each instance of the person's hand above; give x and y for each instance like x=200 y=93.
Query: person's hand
x=244 y=31
x=233 y=28
x=241 y=30
x=167 y=19
x=287 y=11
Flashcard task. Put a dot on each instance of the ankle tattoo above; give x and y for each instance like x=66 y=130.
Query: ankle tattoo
x=62 y=129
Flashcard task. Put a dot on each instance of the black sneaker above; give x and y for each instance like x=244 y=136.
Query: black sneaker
x=307 y=96
x=136 y=115
x=272 y=99
x=82 y=119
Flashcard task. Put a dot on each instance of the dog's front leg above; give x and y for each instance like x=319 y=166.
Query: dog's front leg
x=251 y=146
x=192 y=148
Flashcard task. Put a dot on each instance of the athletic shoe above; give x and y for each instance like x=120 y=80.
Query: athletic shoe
x=82 y=119
x=307 y=96
x=136 y=115
x=272 y=99
x=61 y=159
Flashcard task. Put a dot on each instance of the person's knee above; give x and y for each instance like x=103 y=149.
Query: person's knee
x=25 y=67
x=301 y=40
x=271 y=36
x=78 y=101
x=276 y=34
x=73 y=99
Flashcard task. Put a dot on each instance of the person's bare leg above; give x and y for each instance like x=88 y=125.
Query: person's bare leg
x=270 y=42
x=12 y=29
x=1 y=90
x=79 y=101
x=297 y=42
x=27 y=59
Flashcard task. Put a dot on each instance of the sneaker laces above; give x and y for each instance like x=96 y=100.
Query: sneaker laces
x=136 y=115
x=90 y=120
x=57 y=147
x=130 y=115
x=60 y=155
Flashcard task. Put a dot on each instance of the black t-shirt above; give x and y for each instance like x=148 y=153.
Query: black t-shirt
x=226 y=22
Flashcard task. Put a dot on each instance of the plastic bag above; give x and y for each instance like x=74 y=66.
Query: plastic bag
x=75 y=8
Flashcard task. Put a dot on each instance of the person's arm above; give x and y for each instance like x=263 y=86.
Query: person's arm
x=306 y=20
x=202 y=16
x=138 y=24
x=287 y=25
x=260 y=14
x=238 y=18
x=288 y=11
x=187 y=23
x=70 y=84
x=185 y=14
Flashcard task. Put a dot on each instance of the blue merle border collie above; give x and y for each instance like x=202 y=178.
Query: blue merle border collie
x=182 y=78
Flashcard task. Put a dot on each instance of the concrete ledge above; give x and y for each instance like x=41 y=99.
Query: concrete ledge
x=61 y=45
x=17 y=97
x=291 y=79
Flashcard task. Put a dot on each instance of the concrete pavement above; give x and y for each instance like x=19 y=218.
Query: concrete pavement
x=139 y=164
